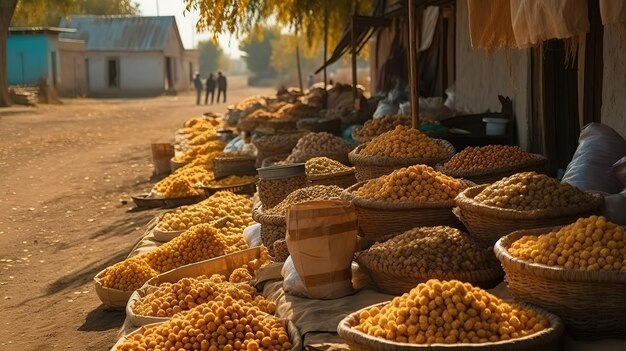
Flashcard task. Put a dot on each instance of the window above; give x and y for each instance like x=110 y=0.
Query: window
x=113 y=72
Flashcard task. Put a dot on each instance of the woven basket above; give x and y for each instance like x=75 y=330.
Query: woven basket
x=329 y=125
x=379 y=219
x=302 y=157
x=591 y=304
x=487 y=224
x=537 y=164
x=113 y=298
x=145 y=201
x=369 y=167
x=236 y=165
x=242 y=189
x=271 y=161
x=281 y=252
x=273 y=228
x=395 y=284
x=267 y=146
x=546 y=340
x=341 y=179
x=176 y=165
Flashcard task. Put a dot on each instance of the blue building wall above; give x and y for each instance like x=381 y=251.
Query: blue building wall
x=29 y=58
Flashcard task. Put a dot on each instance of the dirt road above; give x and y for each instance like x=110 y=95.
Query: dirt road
x=64 y=171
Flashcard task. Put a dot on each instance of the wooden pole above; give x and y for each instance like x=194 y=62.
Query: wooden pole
x=325 y=51
x=413 y=79
x=298 y=62
x=353 y=41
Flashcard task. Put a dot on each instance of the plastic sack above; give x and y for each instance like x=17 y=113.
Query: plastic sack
x=599 y=147
x=292 y=283
x=619 y=170
x=252 y=235
x=615 y=207
x=385 y=109
x=405 y=109
x=236 y=144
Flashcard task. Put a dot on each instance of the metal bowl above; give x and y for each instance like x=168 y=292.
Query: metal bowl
x=282 y=171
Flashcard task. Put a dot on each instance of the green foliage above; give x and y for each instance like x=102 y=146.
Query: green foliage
x=257 y=48
x=211 y=58
x=50 y=12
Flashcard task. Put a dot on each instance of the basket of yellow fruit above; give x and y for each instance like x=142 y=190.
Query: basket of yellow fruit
x=397 y=265
x=415 y=196
x=115 y=284
x=377 y=126
x=245 y=185
x=522 y=201
x=401 y=147
x=488 y=164
x=237 y=327
x=451 y=315
x=326 y=171
x=241 y=165
x=577 y=271
x=273 y=220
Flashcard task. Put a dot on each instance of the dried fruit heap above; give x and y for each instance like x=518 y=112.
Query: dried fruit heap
x=404 y=142
x=488 y=157
x=323 y=166
x=310 y=193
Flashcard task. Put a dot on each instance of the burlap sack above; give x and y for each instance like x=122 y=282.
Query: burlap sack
x=321 y=237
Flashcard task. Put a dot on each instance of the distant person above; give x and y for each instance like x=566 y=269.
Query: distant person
x=221 y=86
x=310 y=81
x=197 y=83
x=210 y=89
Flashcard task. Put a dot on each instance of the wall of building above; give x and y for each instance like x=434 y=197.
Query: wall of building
x=141 y=73
x=614 y=79
x=73 y=78
x=481 y=77
x=190 y=65
x=28 y=58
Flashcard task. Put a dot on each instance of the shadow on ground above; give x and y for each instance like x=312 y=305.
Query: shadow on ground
x=102 y=319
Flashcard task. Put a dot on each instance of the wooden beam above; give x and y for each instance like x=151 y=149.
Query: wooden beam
x=413 y=79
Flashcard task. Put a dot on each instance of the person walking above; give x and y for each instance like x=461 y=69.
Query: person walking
x=197 y=83
x=210 y=89
x=221 y=86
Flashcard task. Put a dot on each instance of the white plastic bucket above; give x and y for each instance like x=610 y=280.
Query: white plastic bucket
x=495 y=126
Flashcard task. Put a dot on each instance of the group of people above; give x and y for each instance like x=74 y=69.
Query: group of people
x=211 y=83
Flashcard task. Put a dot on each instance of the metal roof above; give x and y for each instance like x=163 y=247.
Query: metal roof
x=121 y=33
x=37 y=30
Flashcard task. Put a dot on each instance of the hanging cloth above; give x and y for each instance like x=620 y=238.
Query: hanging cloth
x=535 y=21
x=490 y=24
x=613 y=11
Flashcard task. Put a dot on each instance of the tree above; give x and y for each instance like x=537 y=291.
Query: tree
x=47 y=13
x=257 y=48
x=211 y=57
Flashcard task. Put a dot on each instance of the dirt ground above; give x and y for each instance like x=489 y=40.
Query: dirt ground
x=64 y=172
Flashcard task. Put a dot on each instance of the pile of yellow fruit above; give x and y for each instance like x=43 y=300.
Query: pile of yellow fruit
x=231 y=180
x=449 y=312
x=323 y=166
x=204 y=138
x=591 y=244
x=225 y=325
x=441 y=251
x=310 y=193
x=377 y=126
x=128 y=275
x=221 y=204
x=183 y=182
x=201 y=242
x=198 y=150
x=172 y=298
x=404 y=142
x=419 y=183
x=318 y=144
x=487 y=158
x=531 y=191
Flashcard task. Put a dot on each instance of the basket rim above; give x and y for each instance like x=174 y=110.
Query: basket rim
x=554 y=331
x=465 y=201
x=259 y=216
x=234 y=158
x=98 y=282
x=509 y=261
x=350 y=171
x=537 y=160
x=348 y=195
x=379 y=160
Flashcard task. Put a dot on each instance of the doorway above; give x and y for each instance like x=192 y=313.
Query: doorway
x=169 y=76
x=53 y=62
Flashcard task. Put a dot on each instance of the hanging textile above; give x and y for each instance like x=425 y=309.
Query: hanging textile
x=535 y=21
x=429 y=25
x=490 y=24
x=613 y=11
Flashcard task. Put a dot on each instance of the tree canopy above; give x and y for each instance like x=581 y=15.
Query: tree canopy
x=49 y=12
x=211 y=57
x=240 y=17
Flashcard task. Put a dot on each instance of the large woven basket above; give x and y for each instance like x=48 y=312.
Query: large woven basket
x=591 y=304
x=379 y=219
x=546 y=340
x=273 y=228
x=344 y=179
x=268 y=146
x=487 y=224
x=234 y=165
x=396 y=284
x=369 y=167
x=537 y=164
x=113 y=298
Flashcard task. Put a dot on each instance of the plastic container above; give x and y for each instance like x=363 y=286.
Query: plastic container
x=495 y=126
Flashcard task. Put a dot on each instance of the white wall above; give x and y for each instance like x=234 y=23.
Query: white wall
x=614 y=79
x=141 y=73
x=481 y=77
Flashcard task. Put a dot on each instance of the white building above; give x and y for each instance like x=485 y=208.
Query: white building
x=133 y=55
